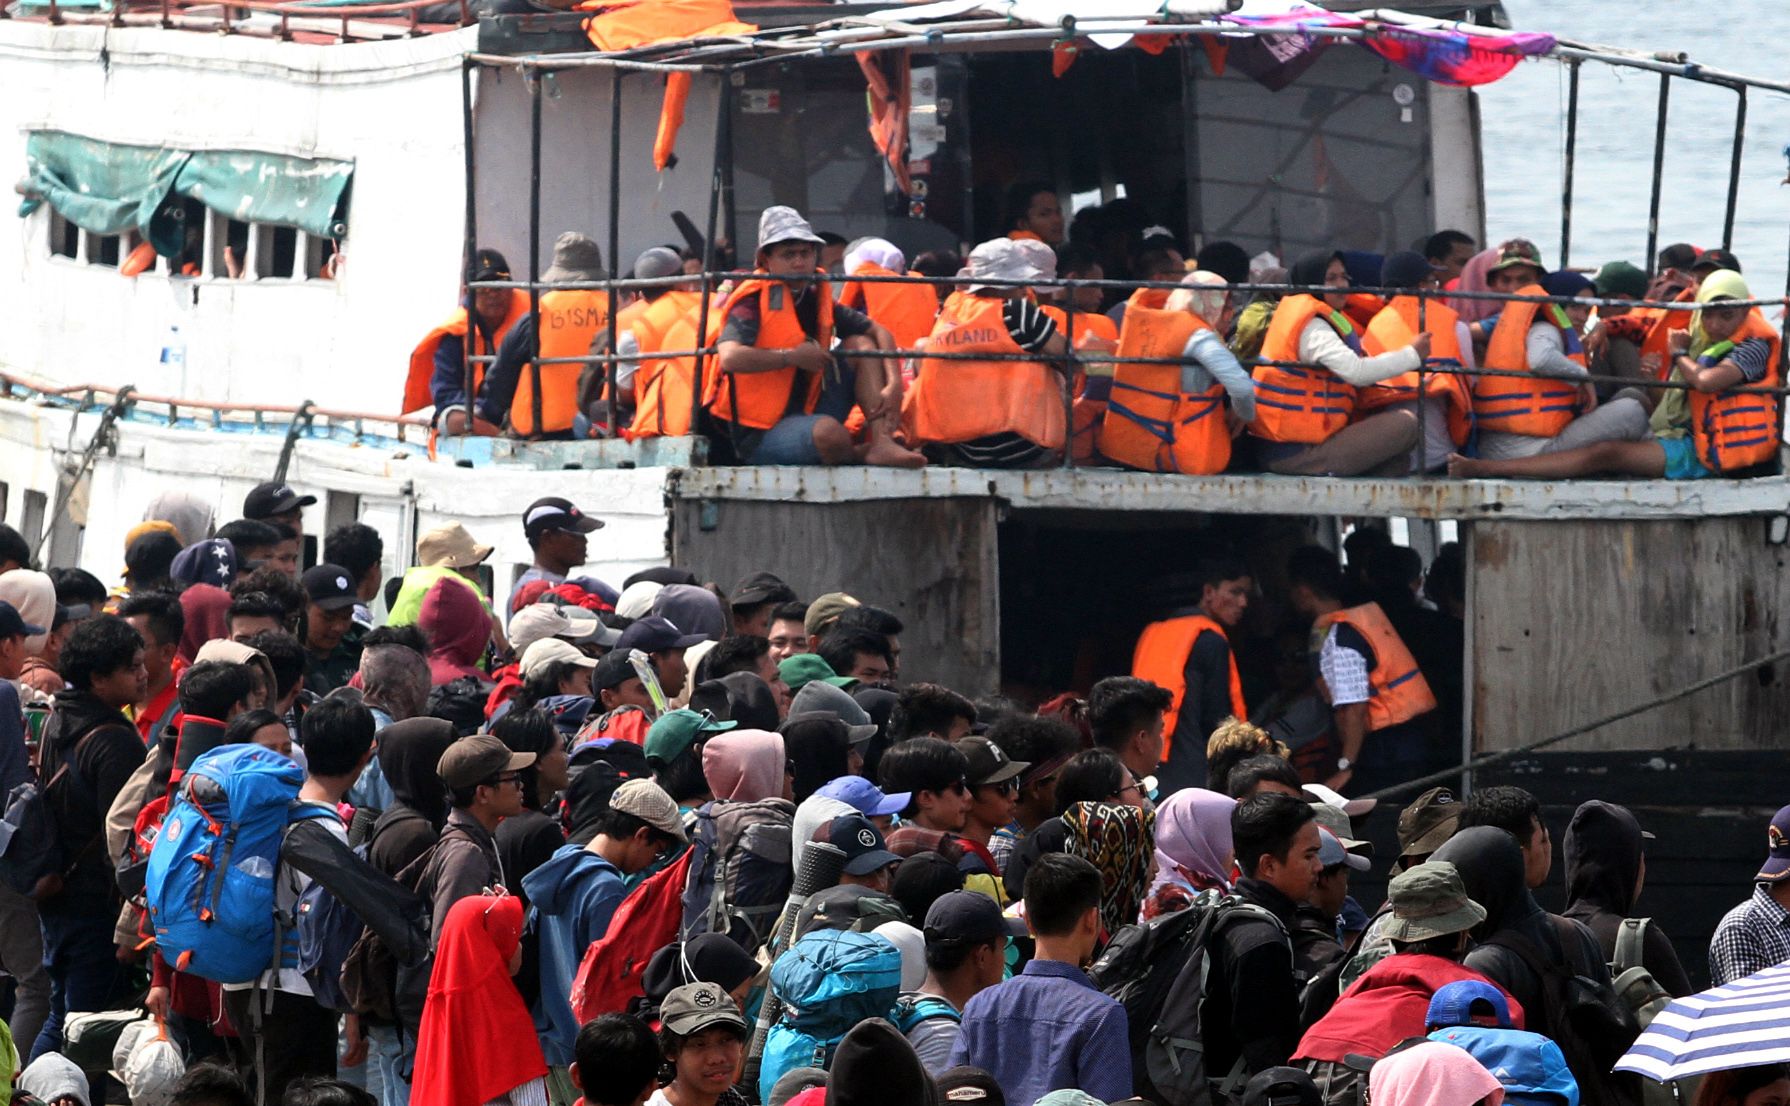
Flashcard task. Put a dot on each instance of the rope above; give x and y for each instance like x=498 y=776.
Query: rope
x=1423 y=782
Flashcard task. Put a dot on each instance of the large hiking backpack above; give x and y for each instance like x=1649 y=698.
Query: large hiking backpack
x=613 y=970
x=914 y=1007
x=828 y=982
x=1642 y=994
x=740 y=870
x=211 y=873
x=1157 y=972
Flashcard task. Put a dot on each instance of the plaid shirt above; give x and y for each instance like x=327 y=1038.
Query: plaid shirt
x=1754 y=935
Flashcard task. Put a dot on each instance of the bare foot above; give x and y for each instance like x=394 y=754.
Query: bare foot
x=886 y=453
x=1464 y=466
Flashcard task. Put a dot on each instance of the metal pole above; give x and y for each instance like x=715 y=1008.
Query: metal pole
x=534 y=241
x=1423 y=421
x=1572 y=145
x=724 y=105
x=1659 y=164
x=615 y=216
x=1734 y=168
x=1069 y=381
x=468 y=369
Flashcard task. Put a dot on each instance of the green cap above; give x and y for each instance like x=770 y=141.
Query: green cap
x=804 y=668
x=677 y=730
x=1619 y=278
x=1429 y=900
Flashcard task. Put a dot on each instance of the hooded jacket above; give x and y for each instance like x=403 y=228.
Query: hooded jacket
x=408 y=752
x=1388 y=1004
x=571 y=897
x=457 y=627
x=1252 y=1000
x=744 y=765
x=1603 y=862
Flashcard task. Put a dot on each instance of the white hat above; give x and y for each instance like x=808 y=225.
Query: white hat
x=1354 y=808
x=636 y=600
x=545 y=620
x=999 y=259
x=551 y=650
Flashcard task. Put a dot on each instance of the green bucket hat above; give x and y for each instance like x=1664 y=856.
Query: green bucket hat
x=677 y=730
x=1429 y=900
x=804 y=668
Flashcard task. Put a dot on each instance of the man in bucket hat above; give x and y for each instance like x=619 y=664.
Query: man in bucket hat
x=537 y=399
x=782 y=395
x=1006 y=411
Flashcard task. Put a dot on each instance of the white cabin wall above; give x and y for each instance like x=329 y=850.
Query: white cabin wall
x=1459 y=196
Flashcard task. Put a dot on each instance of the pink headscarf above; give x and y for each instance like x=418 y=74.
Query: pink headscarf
x=745 y=765
x=1473 y=279
x=1193 y=839
x=1432 y=1074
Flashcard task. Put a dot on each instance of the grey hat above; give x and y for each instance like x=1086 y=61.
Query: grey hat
x=785 y=224
x=1429 y=900
x=575 y=257
x=694 y=1007
x=649 y=802
x=998 y=259
x=794 y=1081
x=823 y=697
x=657 y=262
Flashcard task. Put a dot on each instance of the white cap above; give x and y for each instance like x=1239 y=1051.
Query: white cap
x=545 y=620
x=636 y=600
x=551 y=650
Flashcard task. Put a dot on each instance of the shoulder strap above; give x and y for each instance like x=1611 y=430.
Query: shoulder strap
x=1631 y=937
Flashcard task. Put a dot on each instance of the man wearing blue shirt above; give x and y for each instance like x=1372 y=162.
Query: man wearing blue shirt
x=1048 y=1028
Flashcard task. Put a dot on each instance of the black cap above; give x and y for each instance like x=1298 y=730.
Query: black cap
x=862 y=844
x=1406 y=269
x=655 y=635
x=612 y=671
x=970 y=1085
x=488 y=264
x=273 y=498
x=553 y=513
x=921 y=880
x=13 y=624
x=329 y=587
x=760 y=588
x=968 y=918
x=1281 y=1087
x=1716 y=259
x=989 y=763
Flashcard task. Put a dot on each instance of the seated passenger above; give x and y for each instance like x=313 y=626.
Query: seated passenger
x=907 y=311
x=1171 y=418
x=1614 y=346
x=1706 y=431
x=1075 y=261
x=1302 y=415
x=781 y=396
x=1522 y=416
x=539 y=400
x=1446 y=417
x=1157 y=258
x=437 y=370
x=1033 y=211
x=991 y=414
x=662 y=389
x=1448 y=252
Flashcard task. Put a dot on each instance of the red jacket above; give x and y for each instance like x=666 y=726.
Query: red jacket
x=1385 y=1006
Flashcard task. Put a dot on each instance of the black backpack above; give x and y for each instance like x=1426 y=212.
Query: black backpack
x=1157 y=971
x=1584 y=1015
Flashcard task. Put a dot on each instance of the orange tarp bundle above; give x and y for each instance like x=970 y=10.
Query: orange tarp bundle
x=891 y=97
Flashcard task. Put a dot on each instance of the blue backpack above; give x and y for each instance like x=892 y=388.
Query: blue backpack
x=828 y=982
x=211 y=874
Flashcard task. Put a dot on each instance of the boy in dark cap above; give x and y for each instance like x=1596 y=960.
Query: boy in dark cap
x=558 y=532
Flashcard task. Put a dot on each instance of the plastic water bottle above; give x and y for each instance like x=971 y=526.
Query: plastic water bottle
x=173 y=356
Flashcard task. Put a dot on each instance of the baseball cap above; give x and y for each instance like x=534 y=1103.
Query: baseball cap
x=1429 y=900
x=1716 y=259
x=677 y=730
x=1452 y=1004
x=1354 y=808
x=573 y=624
x=13 y=624
x=1336 y=823
x=989 y=763
x=862 y=795
x=328 y=587
x=1281 y=1087
x=553 y=513
x=971 y=1085
x=636 y=600
x=822 y=697
x=784 y=224
x=800 y=669
x=612 y=671
x=1427 y=822
x=1331 y=853
x=1619 y=278
x=825 y=611
x=649 y=802
x=968 y=918
x=450 y=546
x=863 y=846
x=694 y=1007
x=473 y=760
x=761 y=587
x=1518 y=251
x=655 y=635
x=489 y=264
x=551 y=650
x=273 y=498
x=1531 y=1067
x=1777 y=849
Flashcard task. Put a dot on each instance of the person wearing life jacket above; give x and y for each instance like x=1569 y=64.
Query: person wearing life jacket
x=437 y=366
x=1448 y=252
x=1614 y=346
x=663 y=389
x=1382 y=710
x=1446 y=417
x=538 y=400
x=1172 y=418
x=1033 y=211
x=994 y=413
x=1189 y=653
x=1547 y=410
x=632 y=330
x=1709 y=430
x=1302 y=422
x=907 y=311
x=778 y=394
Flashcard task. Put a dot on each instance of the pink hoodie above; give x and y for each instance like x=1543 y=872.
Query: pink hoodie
x=455 y=622
x=1432 y=1074
x=745 y=765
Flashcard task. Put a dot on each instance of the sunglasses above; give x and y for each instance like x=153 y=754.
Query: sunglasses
x=506 y=778
x=1005 y=787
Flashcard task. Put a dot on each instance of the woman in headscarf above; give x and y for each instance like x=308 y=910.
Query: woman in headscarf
x=1433 y=1074
x=478 y=1042
x=1476 y=277
x=1193 y=849
x=207 y=611
x=746 y=766
x=1115 y=839
x=408 y=754
x=33 y=595
x=1705 y=431
x=458 y=629
x=908 y=311
x=190 y=516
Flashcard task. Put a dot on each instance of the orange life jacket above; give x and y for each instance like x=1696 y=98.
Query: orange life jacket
x=569 y=320
x=1394 y=327
x=1361 y=307
x=908 y=311
x=422 y=359
x=1151 y=424
x=1396 y=690
x=1090 y=326
x=664 y=387
x=1536 y=406
x=963 y=400
x=1299 y=405
x=758 y=400
x=1095 y=336
x=1161 y=657
x=1735 y=430
x=1661 y=321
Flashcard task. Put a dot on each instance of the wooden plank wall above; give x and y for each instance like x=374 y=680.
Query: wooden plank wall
x=1574 y=620
x=931 y=561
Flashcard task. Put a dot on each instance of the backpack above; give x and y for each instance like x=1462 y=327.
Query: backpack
x=741 y=870
x=29 y=845
x=1584 y=1016
x=1642 y=994
x=614 y=966
x=211 y=874
x=914 y=1007
x=1157 y=971
x=827 y=982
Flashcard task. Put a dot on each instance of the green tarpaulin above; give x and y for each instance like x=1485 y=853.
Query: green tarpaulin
x=108 y=188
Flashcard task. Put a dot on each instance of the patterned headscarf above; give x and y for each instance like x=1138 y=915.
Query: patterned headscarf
x=1117 y=840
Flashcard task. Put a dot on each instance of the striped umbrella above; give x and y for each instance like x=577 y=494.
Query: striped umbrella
x=1737 y=1025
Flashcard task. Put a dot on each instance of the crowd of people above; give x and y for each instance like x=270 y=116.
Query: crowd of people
x=684 y=845
x=999 y=373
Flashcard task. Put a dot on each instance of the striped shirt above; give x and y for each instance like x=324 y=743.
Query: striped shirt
x=1754 y=935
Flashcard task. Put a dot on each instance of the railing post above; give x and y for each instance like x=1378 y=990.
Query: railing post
x=612 y=371
x=1659 y=164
